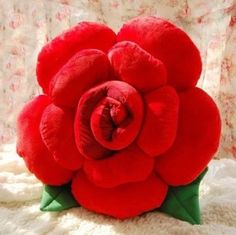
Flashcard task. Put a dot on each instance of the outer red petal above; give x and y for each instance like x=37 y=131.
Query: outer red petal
x=123 y=201
x=128 y=165
x=135 y=66
x=197 y=139
x=169 y=44
x=57 y=52
x=160 y=124
x=31 y=147
x=57 y=131
x=84 y=70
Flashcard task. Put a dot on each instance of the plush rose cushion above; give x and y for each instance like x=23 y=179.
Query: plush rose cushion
x=120 y=117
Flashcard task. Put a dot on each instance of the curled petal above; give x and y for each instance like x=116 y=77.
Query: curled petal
x=108 y=118
x=57 y=52
x=137 y=67
x=57 y=131
x=160 y=123
x=196 y=141
x=169 y=44
x=123 y=201
x=31 y=147
x=84 y=70
x=128 y=165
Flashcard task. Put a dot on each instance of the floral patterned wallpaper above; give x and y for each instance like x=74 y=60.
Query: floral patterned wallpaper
x=26 y=25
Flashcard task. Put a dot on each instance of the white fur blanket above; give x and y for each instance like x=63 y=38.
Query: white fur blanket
x=20 y=197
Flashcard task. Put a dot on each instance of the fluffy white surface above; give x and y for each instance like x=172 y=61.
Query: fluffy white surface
x=20 y=196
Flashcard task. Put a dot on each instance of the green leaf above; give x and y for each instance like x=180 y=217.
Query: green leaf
x=57 y=198
x=183 y=202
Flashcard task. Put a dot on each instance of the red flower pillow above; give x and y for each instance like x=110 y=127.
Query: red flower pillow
x=120 y=117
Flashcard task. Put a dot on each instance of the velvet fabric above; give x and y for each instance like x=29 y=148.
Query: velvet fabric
x=120 y=116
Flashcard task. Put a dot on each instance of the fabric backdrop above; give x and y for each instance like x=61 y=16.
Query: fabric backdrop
x=26 y=25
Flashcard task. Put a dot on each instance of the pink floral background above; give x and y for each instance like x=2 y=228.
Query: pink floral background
x=26 y=25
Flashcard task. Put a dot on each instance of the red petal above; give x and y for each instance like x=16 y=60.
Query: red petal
x=160 y=124
x=135 y=66
x=197 y=139
x=57 y=52
x=57 y=132
x=128 y=165
x=123 y=201
x=101 y=125
x=84 y=70
x=31 y=147
x=169 y=44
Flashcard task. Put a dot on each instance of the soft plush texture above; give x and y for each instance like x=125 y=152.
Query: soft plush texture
x=121 y=99
x=108 y=118
x=30 y=145
x=84 y=70
x=112 y=171
x=132 y=64
x=169 y=44
x=160 y=123
x=57 y=132
x=197 y=115
x=121 y=200
x=20 y=194
x=55 y=55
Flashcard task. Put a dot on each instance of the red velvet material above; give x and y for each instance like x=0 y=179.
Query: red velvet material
x=56 y=53
x=169 y=44
x=85 y=69
x=123 y=201
x=57 y=131
x=128 y=165
x=160 y=123
x=31 y=147
x=135 y=66
x=101 y=125
x=197 y=139
x=125 y=116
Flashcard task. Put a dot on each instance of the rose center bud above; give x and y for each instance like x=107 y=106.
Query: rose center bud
x=117 y=111
x=108 y=120
x=110 y=116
